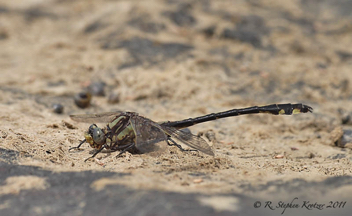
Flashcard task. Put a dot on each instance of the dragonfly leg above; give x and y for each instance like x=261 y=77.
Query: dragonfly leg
x=97 y=152
x=77 y=147
x=177 y=145
x=129 y=146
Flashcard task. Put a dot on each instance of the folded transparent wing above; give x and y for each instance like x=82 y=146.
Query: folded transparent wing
x=189 y=139
x=96 y=118
x=149 y=135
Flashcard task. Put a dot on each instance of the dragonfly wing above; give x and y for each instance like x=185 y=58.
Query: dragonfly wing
x=189 y=139
x=149 y=135
x=94 y=118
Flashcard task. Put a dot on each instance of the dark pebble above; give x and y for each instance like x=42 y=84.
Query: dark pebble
x=82 y=99
x=345 y=116
x=210 y=31
x=97 y=88
x=346 y=138
x=58 y=108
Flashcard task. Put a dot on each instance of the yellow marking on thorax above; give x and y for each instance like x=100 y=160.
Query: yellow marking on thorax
x=128 y=131
x=116 y=121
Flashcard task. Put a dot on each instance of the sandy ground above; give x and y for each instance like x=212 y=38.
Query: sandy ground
x=170 y=60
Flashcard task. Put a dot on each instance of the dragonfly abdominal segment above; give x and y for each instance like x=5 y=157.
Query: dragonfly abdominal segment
x=128 y=131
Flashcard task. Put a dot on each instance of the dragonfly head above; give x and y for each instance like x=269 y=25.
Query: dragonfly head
x=95 y=136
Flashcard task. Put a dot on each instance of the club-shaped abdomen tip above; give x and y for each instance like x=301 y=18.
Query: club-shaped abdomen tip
x=307 y=109
x=301 y=108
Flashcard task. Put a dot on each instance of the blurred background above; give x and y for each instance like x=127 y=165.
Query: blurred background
x=172 y=60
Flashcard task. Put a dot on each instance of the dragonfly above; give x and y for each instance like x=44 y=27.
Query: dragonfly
x=129 y=131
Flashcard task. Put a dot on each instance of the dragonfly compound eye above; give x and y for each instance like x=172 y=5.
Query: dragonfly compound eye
x=98 y=136
x=91 y=129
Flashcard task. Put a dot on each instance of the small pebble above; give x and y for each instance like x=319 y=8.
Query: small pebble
x=114 y=98
x=279 y=156
x=82 y=99
x=311 y=155
x=345 y=116
x=197 y=181
x=210 y=135
x=58 y=108
x=99 y=162
x=97 y=88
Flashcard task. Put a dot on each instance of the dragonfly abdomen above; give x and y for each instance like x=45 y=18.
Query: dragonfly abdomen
x=275 y=109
